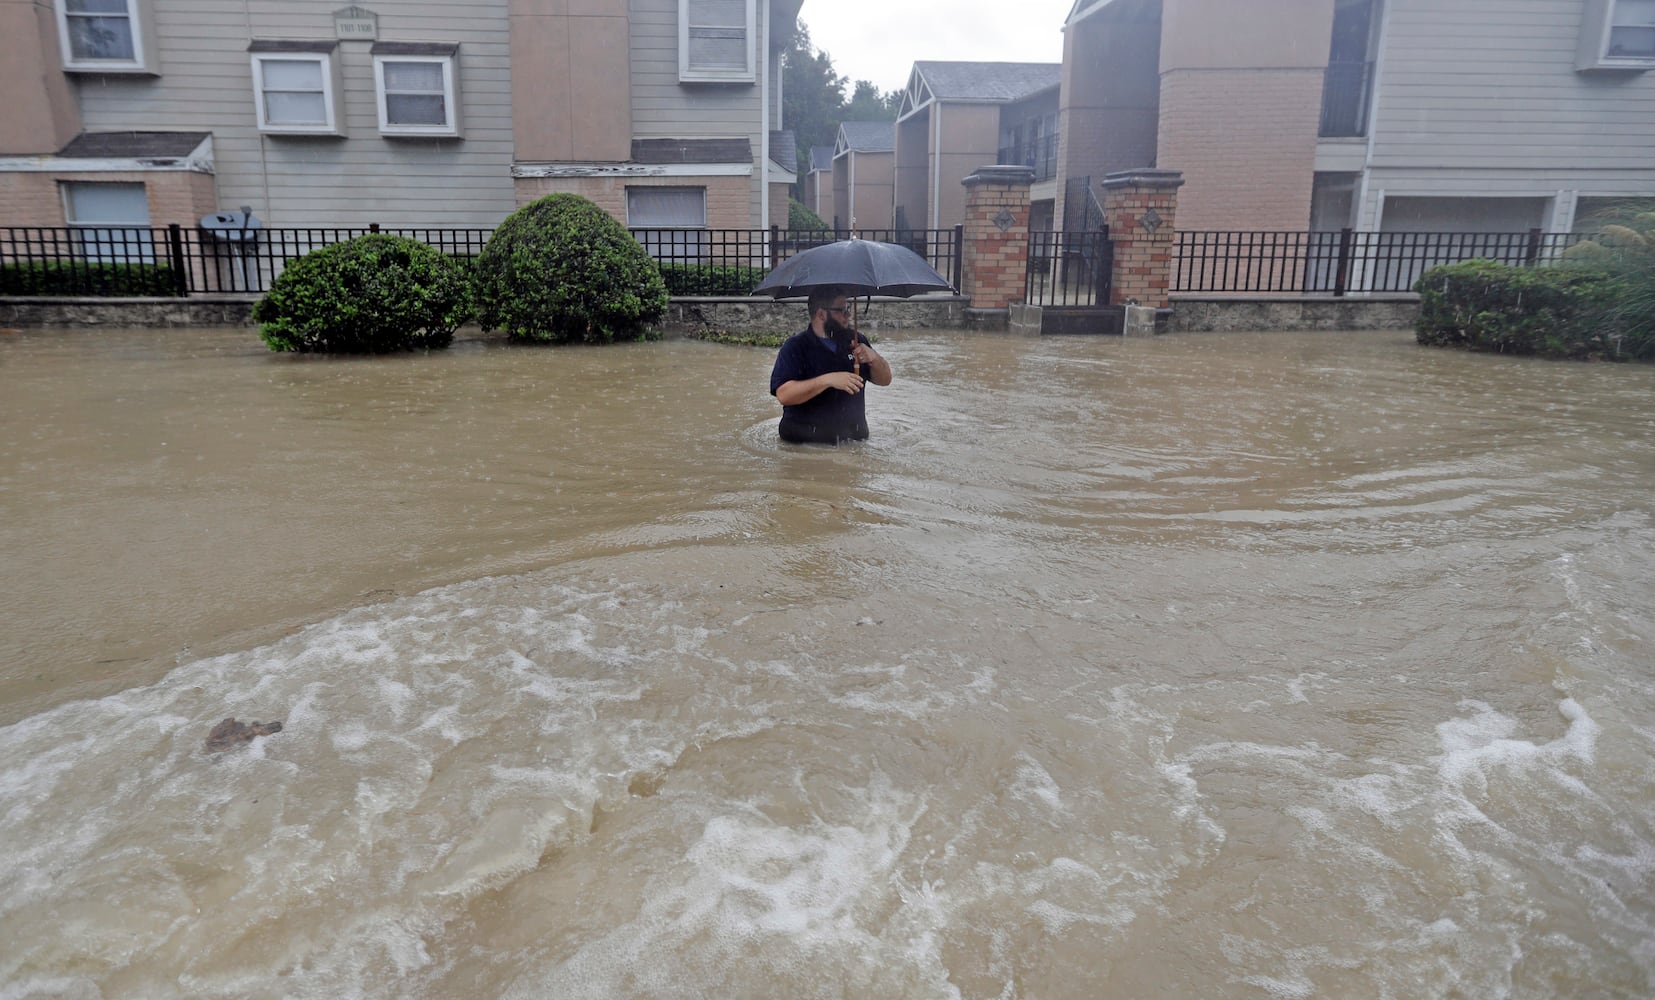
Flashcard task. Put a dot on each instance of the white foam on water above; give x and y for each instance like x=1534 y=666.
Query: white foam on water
x=1477 y=746
x=1032 y=783
x=755 y=903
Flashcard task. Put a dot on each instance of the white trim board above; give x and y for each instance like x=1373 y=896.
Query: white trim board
x=632 y=170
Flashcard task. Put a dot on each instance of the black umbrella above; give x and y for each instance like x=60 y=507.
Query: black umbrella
x=859 y=267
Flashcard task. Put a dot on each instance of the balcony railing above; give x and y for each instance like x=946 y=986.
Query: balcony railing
x=1347 y=88
x=1041 y=154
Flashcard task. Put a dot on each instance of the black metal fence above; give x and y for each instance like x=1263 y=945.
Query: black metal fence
x=179 y=261
x=1344 y=261
x=1069 y=268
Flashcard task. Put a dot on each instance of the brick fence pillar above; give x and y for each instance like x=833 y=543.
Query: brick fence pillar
x=1141 y=208
x=996 y=248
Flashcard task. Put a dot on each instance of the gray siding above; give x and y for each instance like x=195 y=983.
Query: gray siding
x=1490 y=85
x=206 y=84
x=663 y=108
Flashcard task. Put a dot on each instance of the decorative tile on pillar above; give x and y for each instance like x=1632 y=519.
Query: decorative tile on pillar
x=1005 y=220
x=1152 y=221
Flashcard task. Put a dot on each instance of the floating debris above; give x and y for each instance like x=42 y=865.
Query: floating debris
x=229 y=734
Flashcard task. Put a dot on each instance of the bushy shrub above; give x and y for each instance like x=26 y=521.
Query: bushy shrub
x=1622 y=245
x=1483 y=305
x=694 y=279
x=561 y=270
x=73 y=277
x=369 y=295
x=801 y=218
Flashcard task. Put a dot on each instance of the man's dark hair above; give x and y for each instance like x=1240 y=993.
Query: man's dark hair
x=822 y=298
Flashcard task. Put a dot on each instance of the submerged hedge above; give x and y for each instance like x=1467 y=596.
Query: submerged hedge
x=1555 y=312
x=70 y=277
x=696 y=279
x=370 y=295
x=562 y=270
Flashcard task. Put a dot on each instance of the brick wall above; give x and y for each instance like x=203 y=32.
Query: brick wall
x=995 y=260
x=1143 y=252
x=35 y=198
x=729 y=204
x=1256 y=177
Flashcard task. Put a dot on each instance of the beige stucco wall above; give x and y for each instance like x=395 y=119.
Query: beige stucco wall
x=778 y=204
x=728 y=198
x=41 y=115
x=1109 y=106
x=913 y=146
x=969 y=138
x=870 y=203
x=571 y=80
x=1240 y=106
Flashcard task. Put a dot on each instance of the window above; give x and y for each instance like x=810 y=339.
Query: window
x=1632 y=30
x=715 y=41
x=665 y=221
x=294 y=89
x=414 y=84
x=111 y=222
x=1618 y=35
x=102 y=36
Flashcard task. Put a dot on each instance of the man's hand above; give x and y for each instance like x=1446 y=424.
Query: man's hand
x=864 y=354
x=844 y=381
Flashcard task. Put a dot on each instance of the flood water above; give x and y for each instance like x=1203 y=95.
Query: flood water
x=1274 y=666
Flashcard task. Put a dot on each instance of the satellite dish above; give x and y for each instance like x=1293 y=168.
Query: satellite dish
x=233 y=227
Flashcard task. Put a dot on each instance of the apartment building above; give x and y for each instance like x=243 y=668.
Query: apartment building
x=401 y=112
x=954 y=117
x=1381 y=115
x=817 y=194
x=863 y=175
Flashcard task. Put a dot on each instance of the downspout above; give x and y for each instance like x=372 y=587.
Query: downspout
x=764 y=126
x=936 y=164
x=850 y=189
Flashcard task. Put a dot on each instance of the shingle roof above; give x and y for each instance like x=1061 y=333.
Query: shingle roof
x=821 y=157
x=133 y=145
x=692 y=151
x=869 y=137
x=988 y=81
x=784 y=149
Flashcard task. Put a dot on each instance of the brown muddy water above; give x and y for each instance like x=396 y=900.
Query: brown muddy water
x=1270 y=666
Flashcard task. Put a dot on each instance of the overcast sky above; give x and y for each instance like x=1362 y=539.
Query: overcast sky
x=880 y=40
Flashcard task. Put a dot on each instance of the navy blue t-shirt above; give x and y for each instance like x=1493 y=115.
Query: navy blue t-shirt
x=831 y=416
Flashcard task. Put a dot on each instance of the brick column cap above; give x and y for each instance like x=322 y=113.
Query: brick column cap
x=1010 y=175
x=1144 y=177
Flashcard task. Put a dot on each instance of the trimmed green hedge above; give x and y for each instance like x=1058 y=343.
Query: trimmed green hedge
x=561 y=269
x=368 y=295
x=86 y=278
x=695 y=279
x=1556 y=312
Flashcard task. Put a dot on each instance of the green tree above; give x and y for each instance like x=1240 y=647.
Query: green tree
x=813 y=97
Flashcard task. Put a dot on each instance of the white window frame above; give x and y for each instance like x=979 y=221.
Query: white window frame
x=450 y=95
x=76 y=64
x=690 y=74
x=329 y=89
x=134 y=238
x=1596 y=32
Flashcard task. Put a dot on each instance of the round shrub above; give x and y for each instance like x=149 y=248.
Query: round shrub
x=370 y=295
x=562 y=269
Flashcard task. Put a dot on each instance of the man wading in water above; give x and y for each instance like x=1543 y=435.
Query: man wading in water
x=817 y=381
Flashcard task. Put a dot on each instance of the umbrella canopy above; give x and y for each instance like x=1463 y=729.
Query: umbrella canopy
x=860 y=267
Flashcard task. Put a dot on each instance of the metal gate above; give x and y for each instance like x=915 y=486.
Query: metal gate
x=1069 y=268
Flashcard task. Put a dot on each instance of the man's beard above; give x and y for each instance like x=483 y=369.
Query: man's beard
x=840 y=333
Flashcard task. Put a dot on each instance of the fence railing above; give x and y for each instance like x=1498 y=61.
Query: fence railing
x=179 y=261
x=1347 y=87
x=1039 y=153
x=1344 y=261
x=1069 y=268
